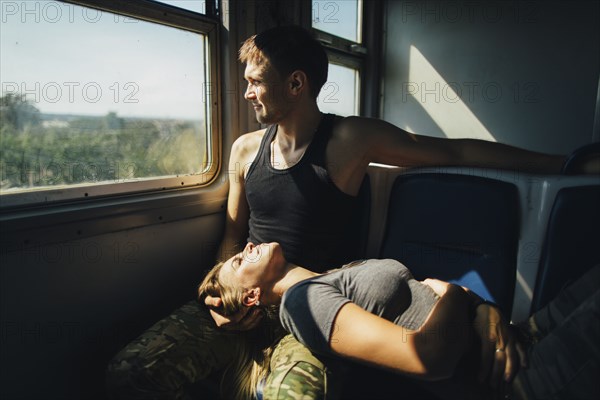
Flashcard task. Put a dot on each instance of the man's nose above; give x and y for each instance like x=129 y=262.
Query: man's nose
x=249 y=94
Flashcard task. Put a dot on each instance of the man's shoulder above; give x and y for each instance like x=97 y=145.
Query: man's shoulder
x=247 y=144
x=251 y=138
x=351 y=130
x=350 y=126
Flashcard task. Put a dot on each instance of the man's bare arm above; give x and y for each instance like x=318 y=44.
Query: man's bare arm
x=238 y=212
x=388 y=144
x=236 y=231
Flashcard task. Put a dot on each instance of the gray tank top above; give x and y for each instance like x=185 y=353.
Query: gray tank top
x=382 y=287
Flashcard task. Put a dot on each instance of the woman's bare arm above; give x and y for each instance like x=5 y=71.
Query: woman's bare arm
x=432 y=352
x=501 y=354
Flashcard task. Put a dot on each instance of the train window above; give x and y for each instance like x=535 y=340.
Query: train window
x=342 y=18
x=338 y=26
x=198 y=6
x=98 y=101
x=339 y=95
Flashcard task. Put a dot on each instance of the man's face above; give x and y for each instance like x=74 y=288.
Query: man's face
x=266 y=92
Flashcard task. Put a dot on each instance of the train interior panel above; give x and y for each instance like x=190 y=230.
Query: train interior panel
x=118 y=120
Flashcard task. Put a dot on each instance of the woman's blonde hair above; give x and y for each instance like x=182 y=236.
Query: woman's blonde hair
x=231 y=296
x=240 y=380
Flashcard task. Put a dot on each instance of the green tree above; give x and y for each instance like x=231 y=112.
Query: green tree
x=86 y=149
x=18 y=112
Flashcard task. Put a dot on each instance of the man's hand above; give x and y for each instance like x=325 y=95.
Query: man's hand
x=590 y=166
x=501 y=354
x=583 y=160
x=246 y=319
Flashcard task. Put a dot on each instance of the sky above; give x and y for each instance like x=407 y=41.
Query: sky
x=337 y=17
x=73 y=60
x=69 y=59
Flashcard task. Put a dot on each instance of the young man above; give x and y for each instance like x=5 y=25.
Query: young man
x=297 y=184
x=285 y=70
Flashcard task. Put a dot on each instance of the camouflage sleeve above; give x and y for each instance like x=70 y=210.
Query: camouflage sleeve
x=178 y=350
x=296 y=374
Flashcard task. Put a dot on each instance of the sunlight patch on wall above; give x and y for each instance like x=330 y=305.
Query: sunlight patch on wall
x=441 y=101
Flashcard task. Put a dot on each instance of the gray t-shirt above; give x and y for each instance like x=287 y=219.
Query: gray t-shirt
x=383 y=287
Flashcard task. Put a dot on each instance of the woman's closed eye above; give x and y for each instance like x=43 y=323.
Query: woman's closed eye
x=235 y=263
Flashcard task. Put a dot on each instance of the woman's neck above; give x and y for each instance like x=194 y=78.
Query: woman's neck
x=292 y=275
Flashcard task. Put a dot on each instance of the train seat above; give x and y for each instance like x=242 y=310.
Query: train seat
x=571 y=244
x=459 y=228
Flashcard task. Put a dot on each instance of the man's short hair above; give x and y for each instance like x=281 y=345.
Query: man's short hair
x=287 y=49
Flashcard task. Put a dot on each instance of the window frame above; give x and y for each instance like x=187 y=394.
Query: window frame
x=367 y=54
x=342 y=51
x=338 y=58
x=339 y=42
x=167 y=15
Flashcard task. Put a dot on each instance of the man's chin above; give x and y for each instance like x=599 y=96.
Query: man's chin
x=264 y=118
x=268 y=119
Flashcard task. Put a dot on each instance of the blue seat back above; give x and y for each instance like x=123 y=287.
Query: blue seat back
x=572 y=242
x=458 y=228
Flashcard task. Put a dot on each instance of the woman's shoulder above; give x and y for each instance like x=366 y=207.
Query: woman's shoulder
x=386 y=265
x=308 y=310
x=363 y=271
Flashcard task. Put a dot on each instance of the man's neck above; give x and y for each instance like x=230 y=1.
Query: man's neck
x=298 y=128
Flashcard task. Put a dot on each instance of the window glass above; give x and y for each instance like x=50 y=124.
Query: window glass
x=342 y=18
x=340 y=93
x=90 y=97
x=198 y=6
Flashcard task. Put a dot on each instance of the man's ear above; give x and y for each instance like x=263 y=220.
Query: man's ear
x=251 y=297
x=297 y=82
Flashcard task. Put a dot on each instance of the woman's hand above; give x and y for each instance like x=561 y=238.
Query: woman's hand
x=501 y=354
x=246 y=319
x=439 y=287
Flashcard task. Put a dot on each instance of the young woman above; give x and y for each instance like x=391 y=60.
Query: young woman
x=372 y=311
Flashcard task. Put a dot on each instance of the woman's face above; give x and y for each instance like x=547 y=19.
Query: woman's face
x=254 y=266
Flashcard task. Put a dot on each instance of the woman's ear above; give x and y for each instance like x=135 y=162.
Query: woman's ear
x=251 y=297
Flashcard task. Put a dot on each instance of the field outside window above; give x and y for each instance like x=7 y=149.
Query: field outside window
x=93 y=98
